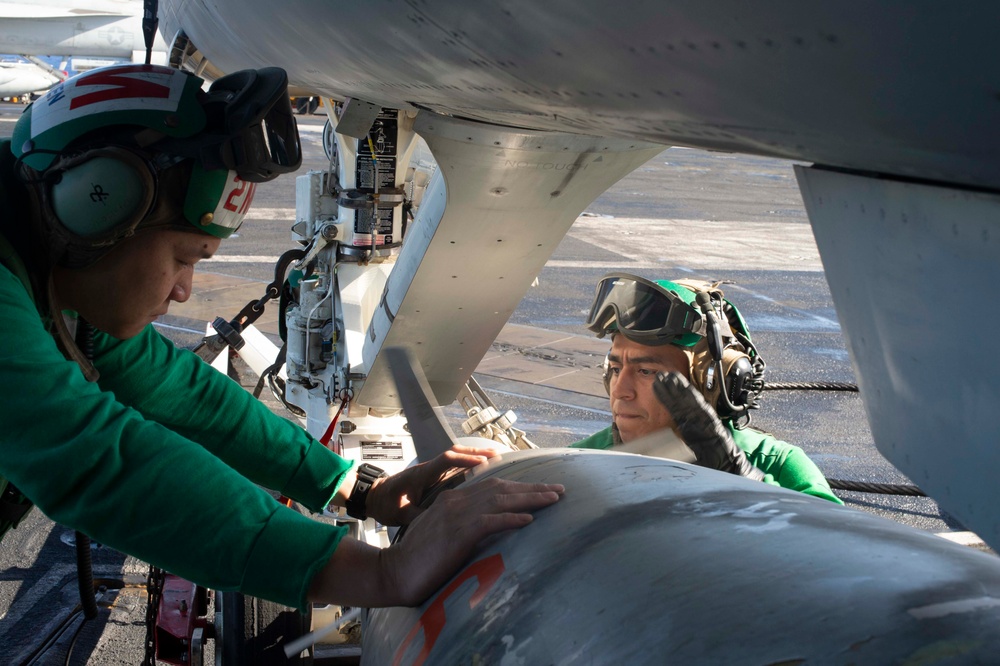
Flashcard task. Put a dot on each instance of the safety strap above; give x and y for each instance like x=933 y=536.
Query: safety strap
x=65 y=339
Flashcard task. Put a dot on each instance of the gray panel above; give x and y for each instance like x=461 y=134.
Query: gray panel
x=913 y=274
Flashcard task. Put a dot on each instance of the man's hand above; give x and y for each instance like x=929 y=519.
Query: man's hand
x=443 y=538
x=439 y=541
x=396 y=499
x=700 y=427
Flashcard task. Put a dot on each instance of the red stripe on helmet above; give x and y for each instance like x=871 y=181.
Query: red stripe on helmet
x=121 y=85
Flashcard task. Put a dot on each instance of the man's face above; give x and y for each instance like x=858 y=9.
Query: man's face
x=135 y=282
x=633 y=368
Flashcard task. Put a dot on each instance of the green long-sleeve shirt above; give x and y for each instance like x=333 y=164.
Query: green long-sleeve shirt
x=783 y=464
x=159 y=458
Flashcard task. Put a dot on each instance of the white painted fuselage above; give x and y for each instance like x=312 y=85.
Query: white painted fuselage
x=102 y=29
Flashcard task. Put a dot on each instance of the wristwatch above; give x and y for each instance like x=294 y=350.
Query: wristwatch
x=357 y=502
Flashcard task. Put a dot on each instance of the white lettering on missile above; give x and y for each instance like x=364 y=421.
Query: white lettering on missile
x=497 y=607
x=512 y=658
x=773 y=519
x=935 y=611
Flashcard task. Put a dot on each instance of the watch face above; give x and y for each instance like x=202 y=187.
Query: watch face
x=370 y=471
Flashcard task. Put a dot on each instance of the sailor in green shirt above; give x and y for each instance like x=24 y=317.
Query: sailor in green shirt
x=682 y=358
x=113 y=186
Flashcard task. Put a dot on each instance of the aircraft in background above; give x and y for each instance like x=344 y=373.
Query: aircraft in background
x=20 y=78
x=98 y=28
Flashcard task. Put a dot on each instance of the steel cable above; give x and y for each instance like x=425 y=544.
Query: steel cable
x=810 y=386
x=880 y=488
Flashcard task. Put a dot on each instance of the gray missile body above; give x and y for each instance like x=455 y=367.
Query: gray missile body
x=651 y=561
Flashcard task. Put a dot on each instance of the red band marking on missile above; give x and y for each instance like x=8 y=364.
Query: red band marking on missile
x=486 y=571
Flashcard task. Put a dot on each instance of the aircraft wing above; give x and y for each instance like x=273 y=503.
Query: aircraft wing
x=867 y=88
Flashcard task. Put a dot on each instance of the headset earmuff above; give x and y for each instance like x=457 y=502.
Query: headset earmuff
x=730 y=364
x=739 y=371
x=100 y=196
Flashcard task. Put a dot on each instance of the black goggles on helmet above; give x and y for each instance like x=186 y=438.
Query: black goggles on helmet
x=250 y=130
x=642 y=311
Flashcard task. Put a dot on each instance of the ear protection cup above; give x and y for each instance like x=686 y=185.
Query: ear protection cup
x=99 y=196
x=740 y=378
x=739 y=370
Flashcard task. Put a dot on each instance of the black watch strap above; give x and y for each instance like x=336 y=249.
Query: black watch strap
x=358 y=500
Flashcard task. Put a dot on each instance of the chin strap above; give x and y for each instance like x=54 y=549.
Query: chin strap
x=65 y=339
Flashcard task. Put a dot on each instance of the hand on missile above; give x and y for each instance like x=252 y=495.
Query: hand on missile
x=438 y=541
x=700 y=427
x=443 y=538
x=396 y=499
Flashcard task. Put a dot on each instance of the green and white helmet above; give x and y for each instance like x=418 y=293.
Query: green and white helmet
x=97 y=146
x=145 y=96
